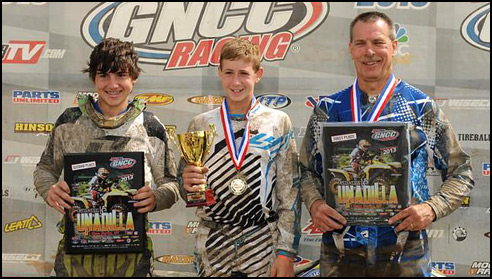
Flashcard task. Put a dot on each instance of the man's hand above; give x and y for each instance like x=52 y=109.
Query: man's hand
x=282 y=267
x=146 y=200
x=324 y=217
x=415 y=218
x=59 y=197
x=192 y=177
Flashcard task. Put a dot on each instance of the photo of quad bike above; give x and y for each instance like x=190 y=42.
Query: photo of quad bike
x=370 y=168
x=102 y=194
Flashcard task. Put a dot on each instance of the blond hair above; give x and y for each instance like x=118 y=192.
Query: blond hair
x=239 y=48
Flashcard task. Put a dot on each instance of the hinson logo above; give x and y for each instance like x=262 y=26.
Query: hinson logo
x=181 y=35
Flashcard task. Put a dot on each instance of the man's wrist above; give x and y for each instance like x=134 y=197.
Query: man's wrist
x=434 y=215
x=314 y=205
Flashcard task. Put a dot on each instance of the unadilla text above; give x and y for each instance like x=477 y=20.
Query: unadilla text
x=104 y=222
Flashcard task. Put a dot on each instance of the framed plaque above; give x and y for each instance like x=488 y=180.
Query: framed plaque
x=103 y=218
x=366 y=170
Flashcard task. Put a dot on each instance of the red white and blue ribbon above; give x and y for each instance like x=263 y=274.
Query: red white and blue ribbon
x=378 y=106
x=237 y=155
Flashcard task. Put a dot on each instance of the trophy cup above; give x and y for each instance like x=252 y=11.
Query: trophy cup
x=193 y=147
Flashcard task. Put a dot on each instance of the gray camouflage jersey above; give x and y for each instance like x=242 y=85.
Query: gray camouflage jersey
x=84 y=129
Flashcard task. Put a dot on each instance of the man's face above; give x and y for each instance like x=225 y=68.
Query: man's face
x=238 y=79
x=113 y=90
x=372 y=50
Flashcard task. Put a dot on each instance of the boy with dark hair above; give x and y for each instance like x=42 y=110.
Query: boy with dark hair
x=111 y=124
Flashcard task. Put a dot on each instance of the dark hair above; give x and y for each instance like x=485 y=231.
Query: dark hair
x=373 y=17
x=112 y=56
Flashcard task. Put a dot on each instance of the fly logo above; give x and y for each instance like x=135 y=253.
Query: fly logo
x=191 y=34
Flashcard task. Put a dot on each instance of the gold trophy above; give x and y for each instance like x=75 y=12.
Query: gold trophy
x=194 y=146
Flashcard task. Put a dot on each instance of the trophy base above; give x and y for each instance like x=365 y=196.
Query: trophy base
x=205 y=198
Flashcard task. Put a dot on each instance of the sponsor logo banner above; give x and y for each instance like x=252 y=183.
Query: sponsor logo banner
x=181 y=35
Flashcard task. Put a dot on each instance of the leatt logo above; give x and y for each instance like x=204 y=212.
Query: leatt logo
x=31 y=223
x=182 y=35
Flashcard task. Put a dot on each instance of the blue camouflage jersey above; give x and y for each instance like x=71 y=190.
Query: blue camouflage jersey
x=431 y=136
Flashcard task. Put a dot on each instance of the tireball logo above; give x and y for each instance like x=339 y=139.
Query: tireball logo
x=475 y=29
x=182 y=35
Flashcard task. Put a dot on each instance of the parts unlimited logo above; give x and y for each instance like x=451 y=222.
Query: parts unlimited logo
x=182 y=35
x=475 y=29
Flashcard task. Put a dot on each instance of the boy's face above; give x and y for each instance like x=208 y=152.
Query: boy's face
x=238 y=80
x=113 y=90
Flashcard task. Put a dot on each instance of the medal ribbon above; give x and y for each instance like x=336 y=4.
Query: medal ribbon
x=237 y=155
x=378 y=106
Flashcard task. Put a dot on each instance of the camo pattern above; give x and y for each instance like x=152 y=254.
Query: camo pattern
x=80 y=130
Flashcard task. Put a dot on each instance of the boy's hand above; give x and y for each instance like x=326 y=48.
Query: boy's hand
x=59 y=197
x=146 y=200
x=192 y=177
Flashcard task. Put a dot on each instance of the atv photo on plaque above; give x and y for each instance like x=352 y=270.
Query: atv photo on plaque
x=366 y=170
x=103 y=218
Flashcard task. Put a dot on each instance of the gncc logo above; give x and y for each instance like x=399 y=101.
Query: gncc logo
x=122 y=163
x=384 y=135
x=190 y=34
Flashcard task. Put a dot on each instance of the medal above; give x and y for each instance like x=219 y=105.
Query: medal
x=379 y=105
x=238 y=185
x=372 y=99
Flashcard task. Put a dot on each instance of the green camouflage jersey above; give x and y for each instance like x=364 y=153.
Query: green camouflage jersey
x=84 y=129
